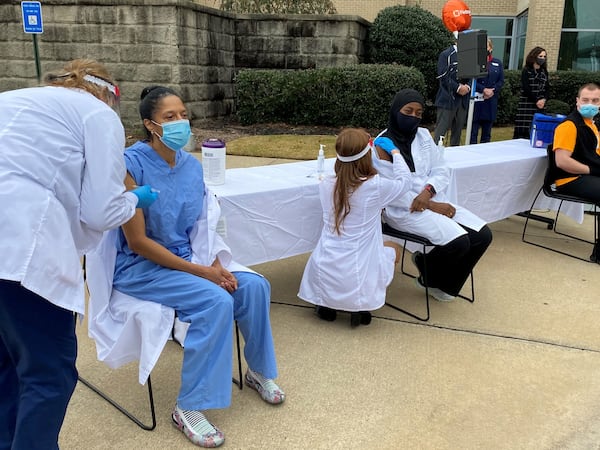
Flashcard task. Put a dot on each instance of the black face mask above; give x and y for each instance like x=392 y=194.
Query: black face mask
x=407 y=124
x=540 y=61
x=489 y=52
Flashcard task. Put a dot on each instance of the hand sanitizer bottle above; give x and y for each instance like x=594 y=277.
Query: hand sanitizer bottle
x=441 y=143
x=321 y=162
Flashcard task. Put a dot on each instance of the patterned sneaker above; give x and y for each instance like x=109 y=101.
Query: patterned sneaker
x=268 y=390
x=436 y=293
x=197 y=428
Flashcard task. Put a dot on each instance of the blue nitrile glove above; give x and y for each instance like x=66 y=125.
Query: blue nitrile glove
x=146 y=196
x=386 y=144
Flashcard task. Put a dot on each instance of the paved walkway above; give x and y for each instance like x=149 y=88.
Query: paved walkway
x=518 y=369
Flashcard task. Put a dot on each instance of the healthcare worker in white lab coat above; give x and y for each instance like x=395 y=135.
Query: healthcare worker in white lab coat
x=61 y=186
x=352 y=266
x=461 y=238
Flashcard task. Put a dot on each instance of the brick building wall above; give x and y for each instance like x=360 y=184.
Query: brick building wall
x=543 y=28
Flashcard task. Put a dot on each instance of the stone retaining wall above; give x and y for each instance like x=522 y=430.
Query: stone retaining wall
x=190 y=47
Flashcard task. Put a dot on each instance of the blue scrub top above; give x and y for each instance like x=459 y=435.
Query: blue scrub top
x=171 y=218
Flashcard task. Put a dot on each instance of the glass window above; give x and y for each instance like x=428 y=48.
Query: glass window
x=500 y=31
x=580 y=36
x=581 y=14
x=579 y=50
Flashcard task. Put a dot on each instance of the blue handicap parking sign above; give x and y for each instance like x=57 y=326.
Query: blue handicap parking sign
x=32 y=17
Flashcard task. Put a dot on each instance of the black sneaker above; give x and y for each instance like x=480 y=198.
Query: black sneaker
x=325 y=313
x=365 y=317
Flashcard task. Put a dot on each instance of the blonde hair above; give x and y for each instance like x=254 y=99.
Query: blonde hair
x=73 y=73
x=350 y=175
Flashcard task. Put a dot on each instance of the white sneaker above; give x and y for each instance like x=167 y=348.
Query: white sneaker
x=197 y=428
x=436 y=293
x=267 y=388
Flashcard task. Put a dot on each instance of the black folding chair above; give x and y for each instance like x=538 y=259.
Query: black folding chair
x=548 y=188
x=424 y=242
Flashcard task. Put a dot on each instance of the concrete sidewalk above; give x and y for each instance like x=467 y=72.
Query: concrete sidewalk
x=518 y=369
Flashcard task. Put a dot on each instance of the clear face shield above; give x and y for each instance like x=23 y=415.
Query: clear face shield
x=111 y=93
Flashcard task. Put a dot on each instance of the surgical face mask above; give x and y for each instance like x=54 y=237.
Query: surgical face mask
x=540 y=61
x=175 y=134
x=588 y=111
x=407 y=124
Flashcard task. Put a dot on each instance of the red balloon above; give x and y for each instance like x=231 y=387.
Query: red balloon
x=456 y=15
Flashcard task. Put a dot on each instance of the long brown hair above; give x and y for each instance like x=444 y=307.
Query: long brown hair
x=350 y=175
x=532 y=55
x=72 y=73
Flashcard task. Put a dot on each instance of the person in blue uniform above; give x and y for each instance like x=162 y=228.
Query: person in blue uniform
x=154 y=263
x=484 y=113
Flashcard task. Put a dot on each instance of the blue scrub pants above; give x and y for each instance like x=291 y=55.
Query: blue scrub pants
x=208 y=346
x=38 y=349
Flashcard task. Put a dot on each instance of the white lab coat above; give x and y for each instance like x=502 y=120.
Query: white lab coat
x=127 y=329
x=351 y=271
x=61 y=187
x=430 y=168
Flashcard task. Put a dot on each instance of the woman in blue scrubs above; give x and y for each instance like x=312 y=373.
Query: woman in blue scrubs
x=154 y=262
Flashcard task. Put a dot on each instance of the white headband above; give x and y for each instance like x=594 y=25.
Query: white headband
x=356 y=157
x=100 y=82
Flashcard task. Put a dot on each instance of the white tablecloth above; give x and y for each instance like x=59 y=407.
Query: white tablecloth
x=273 y=212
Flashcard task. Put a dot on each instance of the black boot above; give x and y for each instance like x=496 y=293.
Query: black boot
x=325 y=313
x=365 y=317
x=354 y=319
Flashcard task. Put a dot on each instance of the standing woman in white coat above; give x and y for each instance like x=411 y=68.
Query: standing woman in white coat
x=352 y=266
x=61 y=185
x=460 y=237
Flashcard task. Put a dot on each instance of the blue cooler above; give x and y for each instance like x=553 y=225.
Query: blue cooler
x=542 y=129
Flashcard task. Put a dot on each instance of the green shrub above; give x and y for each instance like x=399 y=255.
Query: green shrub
x=279 y=6
x=563 y=91
x=357 y=95
x=411 y=36
x=554 y=106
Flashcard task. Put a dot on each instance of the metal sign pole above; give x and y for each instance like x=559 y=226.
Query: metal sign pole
x=33 y=24
x=36 y=54
x=471 y=109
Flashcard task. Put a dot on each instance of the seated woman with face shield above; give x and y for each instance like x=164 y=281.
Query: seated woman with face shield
x=460 y=237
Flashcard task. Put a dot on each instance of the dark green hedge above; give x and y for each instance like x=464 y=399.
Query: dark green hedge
x=563 y=91
x=411 y=36
x=358 y=96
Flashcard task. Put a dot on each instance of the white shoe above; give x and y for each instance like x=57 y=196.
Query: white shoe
x=436 y=293
x=197 y=428
x=267 y=388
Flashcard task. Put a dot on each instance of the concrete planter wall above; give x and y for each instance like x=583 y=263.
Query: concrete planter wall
x=192 y=48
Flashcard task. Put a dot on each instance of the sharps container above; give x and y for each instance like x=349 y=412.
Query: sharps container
x=213 y=161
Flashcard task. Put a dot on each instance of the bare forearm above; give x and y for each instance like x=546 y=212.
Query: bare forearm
x=153 y=251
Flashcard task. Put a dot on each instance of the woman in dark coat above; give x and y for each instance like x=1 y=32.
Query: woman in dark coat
x=535 y=88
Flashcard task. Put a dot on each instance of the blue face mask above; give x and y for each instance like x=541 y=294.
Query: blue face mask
x=175 y=134
x=588 y=111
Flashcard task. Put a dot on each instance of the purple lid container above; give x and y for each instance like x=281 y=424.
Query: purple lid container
x=213 y=143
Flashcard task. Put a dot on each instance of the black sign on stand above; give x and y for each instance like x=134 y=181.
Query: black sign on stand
x=33 y=24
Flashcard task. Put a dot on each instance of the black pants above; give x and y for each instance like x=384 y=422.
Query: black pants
x=449 y=266
x=586 y=187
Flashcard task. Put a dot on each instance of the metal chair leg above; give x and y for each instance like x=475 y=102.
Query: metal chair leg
x=124 y=411
x=404 y=311
x=239 y=381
